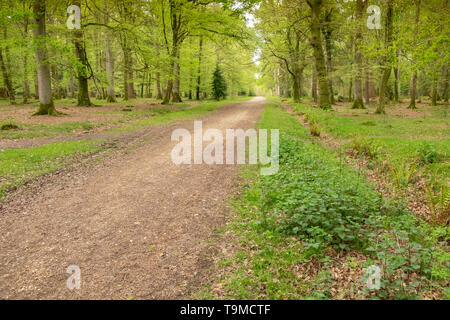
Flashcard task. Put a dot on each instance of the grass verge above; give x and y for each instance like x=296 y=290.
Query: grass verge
x=312 y=231
x=18 y=166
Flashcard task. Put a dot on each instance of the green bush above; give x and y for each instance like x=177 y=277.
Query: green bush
x=427 y=153
x=314 y=129
x=365 y=147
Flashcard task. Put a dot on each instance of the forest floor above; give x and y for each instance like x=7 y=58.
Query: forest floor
x=137 y=225
x=102 y=193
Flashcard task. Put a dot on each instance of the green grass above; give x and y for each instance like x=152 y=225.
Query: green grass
x=314 y=206
x=131 y=118
x=197 y=111
x=18 y=166
x=399 y=138
x=42 y=130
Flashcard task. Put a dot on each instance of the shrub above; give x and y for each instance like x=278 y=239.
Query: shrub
x=321 y=203
x=403 y=173
x=365 y=147
x=427 y=153
x=369 y=123
x=9 y=126
x=438 y=203
x=314 y=129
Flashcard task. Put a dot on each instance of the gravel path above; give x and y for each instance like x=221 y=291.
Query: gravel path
x=136 y=224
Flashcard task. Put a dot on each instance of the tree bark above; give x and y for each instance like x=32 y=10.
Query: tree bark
x=110 y=94
x=413 y=89
x=82 y=72
x=176 y=97
x=7 y=78
x=131 y=91
x=367 y=87
x=159 y=95
x=314 y=85
x=434 y=92
x=386 y=63
x=199 y=70
x=396 y=84
x=445 y=90
x=327 y=32
x=6 y=70
x=46 y=106
x=175 y=15
x=316 y=43
x=358 y=103
x=26 y=82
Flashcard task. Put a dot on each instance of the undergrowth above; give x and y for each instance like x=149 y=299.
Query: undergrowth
x=317 y=209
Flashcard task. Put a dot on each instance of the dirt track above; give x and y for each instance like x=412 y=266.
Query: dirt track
x=136 y=224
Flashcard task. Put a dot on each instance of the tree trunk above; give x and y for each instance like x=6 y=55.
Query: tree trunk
x=386 y=63
x=314 y=85
x=131 y=91
x=295 y=89
x=350 y=91
x=176 y=97
x=327 y=31
x=82 y=72
x=159 y=94
x=199 y=71
x=367 y=87
x=396 y=83
x=26 y=82
x=413 y=89
x=445 y=90
x=358 y=103
x=36 y=85
x=55 y=77
x=434 y=93
x=110 y=94
x=148 y=90
x=316 y=43
x=46 y=105
x=7 y=78
x=125 y=66
x=71 y=84
x=6 y=70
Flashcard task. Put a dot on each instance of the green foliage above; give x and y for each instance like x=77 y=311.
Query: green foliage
x=314 y=202
x=219 y=85
x=438 y=202
x=427 y=153
x=319 y=201
x=365 y=147
x=403 y=173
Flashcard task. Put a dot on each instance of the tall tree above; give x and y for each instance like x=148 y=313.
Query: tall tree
x=386 y=67
x=413 y=88
x=110 y=96
x=199 y=70
x=327 y=34
x=46 y=106
x=83 y=72
x=358 y=102
x=316 y=43
x=6 y=68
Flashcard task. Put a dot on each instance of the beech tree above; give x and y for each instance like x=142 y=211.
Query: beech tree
x=46 y=106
